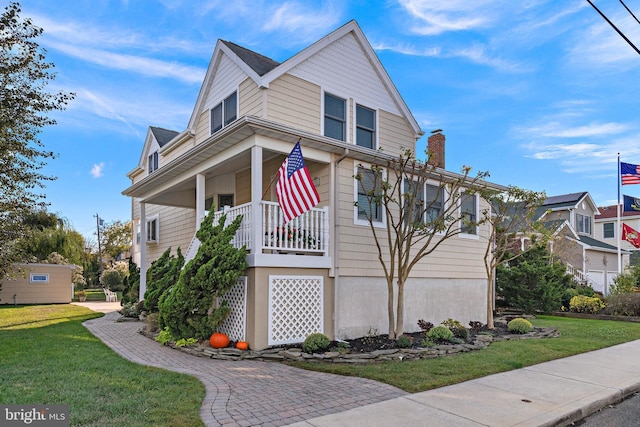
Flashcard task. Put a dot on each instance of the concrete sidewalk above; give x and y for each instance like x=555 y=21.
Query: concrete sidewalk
x=554 y=393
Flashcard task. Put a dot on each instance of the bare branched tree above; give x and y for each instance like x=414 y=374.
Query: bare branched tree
x=421 y=206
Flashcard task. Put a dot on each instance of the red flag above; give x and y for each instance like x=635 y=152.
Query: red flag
x=295 y=190
x=630 y=235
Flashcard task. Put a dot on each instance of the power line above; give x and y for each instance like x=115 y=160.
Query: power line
x=615 y=28
x=628 y=10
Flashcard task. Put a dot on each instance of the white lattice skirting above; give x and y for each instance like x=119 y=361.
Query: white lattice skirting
x=235 y=326
x=295 y=308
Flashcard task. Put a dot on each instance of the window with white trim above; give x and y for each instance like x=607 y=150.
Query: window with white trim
x=153 y=229
x=583 y=223
x=608 y=230
x=411 y=187
x=224 y=113
x=335 y=117
x=365 y=127
x=366 y=206
x=468 y=213
x=153 y=162
x=39 y=278
x=434 y=203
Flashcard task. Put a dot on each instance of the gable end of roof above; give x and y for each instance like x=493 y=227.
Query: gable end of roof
x=259 y=63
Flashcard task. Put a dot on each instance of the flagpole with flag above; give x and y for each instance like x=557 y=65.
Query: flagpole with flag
x=295 y=188
x=618 y=227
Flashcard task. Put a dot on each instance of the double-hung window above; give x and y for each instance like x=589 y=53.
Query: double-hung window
x=224 y=113
x=365 y=127
x=608 y=230
x=583 y=223
x=153 y=161
x=153 y=229
x=335 y=118
x=415 y=194
x=434 y=205
x=468 y=213
x=368 y=205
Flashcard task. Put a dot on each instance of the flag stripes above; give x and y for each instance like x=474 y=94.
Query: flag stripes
x=295 y=189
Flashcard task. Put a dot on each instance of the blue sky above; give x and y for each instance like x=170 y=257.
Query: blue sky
x=542 y=94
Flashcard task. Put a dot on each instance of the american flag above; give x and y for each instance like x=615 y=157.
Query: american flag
x=629 y=173
x=295 y=190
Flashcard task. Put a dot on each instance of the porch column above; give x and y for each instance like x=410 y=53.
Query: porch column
x=256 y=197
x=143 y=251
x=200 y=198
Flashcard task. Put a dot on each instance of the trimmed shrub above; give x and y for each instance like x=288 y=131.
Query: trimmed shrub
x=623 y=304
x=440 y=333
x=424 y=325
x=519 y=326
x=316 y=342
x=532 y=282
x=457 y=328
x=190 y=308
x=131 y=284
x=585 y=304
x=404 y=341
x=162 y=274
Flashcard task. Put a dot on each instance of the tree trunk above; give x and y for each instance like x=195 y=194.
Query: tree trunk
x=400 y=312
x=490 y=324
x=390 y=308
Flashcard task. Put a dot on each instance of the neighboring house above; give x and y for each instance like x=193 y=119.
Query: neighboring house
x=590 y=260
x=336 y=97
x=38 y=284
x=606 y=226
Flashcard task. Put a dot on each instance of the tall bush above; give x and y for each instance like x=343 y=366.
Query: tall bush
x=162 y=274
x=189 y=308
x=131 y=284
x=533 y=282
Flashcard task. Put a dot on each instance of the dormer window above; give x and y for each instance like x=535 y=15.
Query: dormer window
x=224 y=113
x=583 y=223
x=153 y=161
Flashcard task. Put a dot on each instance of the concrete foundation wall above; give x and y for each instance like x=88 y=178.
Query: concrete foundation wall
x=361 y=304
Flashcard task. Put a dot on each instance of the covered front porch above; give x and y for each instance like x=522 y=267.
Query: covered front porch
x=267 y=238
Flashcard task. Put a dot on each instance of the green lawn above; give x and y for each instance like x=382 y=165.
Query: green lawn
x=48 y=357
x=576 y=336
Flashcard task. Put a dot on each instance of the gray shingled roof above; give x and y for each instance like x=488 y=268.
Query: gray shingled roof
x=596 y=243
x=564 y=200
x=258 y=63
x=163 y=136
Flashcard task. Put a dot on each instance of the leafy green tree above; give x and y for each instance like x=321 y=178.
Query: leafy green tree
x=115 y=238
x=112 y=279
x=161 y=275
x=511 y=214
x=44 y=240
x=189 y=308
x=24 y=104
x=533 y=282
x=627 y=282
x=416 y=225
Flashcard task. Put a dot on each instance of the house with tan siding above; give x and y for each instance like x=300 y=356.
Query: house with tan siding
x=579 y=243
x=38 y=284
x=336 y=98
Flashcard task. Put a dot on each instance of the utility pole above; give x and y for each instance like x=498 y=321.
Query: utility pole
x=98 y=224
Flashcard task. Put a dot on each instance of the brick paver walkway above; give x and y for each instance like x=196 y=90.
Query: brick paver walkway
x=246 y=393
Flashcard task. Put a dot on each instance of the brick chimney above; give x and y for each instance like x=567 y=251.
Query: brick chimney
x=435 y=148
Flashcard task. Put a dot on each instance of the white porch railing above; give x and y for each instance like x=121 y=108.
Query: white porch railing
x=308 y=233
x=581 y=277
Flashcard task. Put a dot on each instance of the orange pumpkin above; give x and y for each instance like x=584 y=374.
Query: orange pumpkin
x=219 y=340
x=242 y=345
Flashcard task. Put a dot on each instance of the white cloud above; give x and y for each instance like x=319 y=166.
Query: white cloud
x=97 y=170
x=438 y=16
x=557 y=130
x=298 y=18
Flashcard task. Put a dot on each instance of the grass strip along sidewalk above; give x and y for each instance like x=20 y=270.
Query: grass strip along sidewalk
x=48 y=357
x=576 y=336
